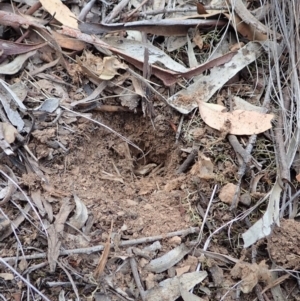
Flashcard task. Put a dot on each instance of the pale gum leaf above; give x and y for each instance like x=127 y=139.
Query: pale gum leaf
x=61 y=11
x=241 y=122
x=81 y=215
x=15 y=65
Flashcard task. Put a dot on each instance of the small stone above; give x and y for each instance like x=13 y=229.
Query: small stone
x=192 y=261
x=131 y=202
x=174 y=241
x=143 y=262
x=227 y=193
x=182 y=270
x=245 y=199
x=171 y=272
x=150 y=281
x=124 y=227
x=148 y=207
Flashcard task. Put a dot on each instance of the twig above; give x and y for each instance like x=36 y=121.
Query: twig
x=101 y=247
x=284 y=170
x=205 y=217
x=171 y=10
x=241 y=151
x=178 y=132
x=31 y=10
x=238 y=147
x=242 y=170
x=85 y=10
x=116 y=11
x=136 y=9
x=61 y=283
x=112 y=109
x=136 y=275
x=188 y=161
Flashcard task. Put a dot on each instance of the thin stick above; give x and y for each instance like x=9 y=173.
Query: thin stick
x=242 y=170
x=179 y=129
x=205 y=216
x=137 y=8
x=71 y=280
x=136 y=275
x=116 y=11
x=101 y=247
x=172 y=10
x=85 y=10
x=188 y=161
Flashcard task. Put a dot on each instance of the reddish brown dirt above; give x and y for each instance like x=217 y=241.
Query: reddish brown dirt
x=145 y=204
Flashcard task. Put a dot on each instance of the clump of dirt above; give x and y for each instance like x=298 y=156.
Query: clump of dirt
x=284 y=244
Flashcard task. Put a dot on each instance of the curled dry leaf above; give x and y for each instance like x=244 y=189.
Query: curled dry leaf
x=238 y=122
x=251 y=274
x=110 y=67
x=81 y=214
x=168 y=260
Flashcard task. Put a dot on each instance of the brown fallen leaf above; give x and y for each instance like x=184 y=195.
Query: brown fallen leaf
x=11 y=48
x=242 y=11
x=200 y=8
x=246 y=30
x=238 y=122
x=68 y=43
